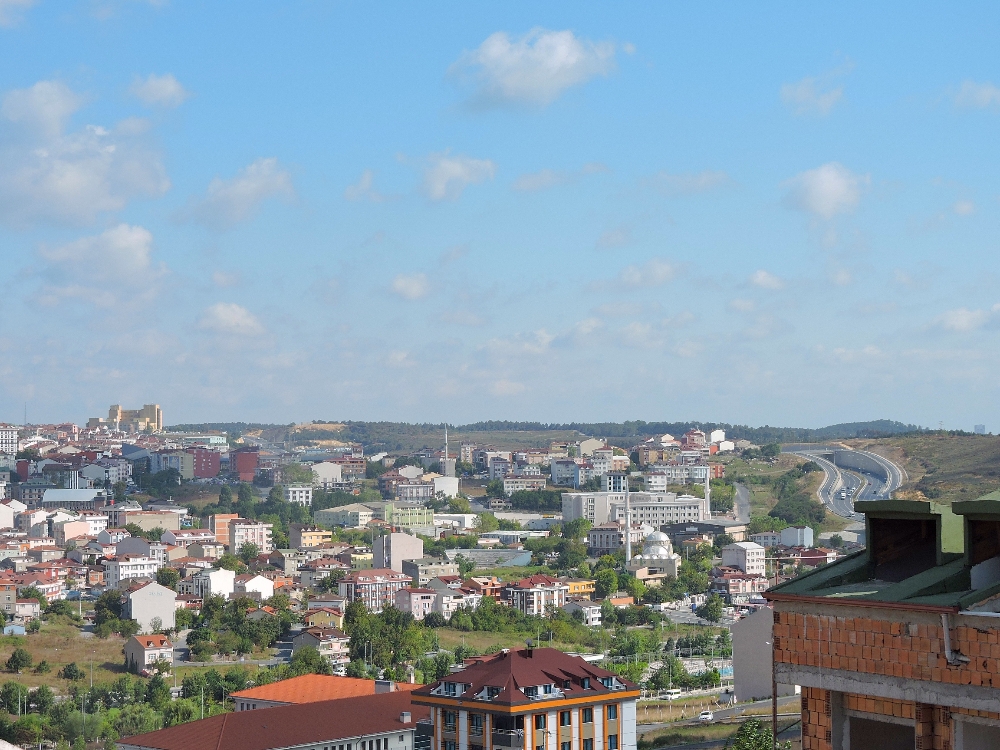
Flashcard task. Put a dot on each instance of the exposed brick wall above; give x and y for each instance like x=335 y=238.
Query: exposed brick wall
x=882 y=706
x=817 y=719
x=884 y=647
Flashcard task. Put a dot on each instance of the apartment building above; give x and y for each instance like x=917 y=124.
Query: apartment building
x=522 y=484
x=243 y=531
x=417 y=602
x=375 y=587
x=660 y=509
x=531 y=698
x=219 y=526
x=8 y=439
x=392 y=549
x=537 y=594
x=123 y=567
x=747 y=556
x=302 y=536
x=608 y=538
x=353 y=516
x=423 y=569
x=896 y=645
x=299 y=494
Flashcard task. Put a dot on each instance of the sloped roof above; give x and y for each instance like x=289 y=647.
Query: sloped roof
x=286 y=726
x=511 y=670
x=153 y=641
x=312 y=688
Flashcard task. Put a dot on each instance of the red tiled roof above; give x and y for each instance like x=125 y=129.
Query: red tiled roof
x=153 y=641
x=313 y=688
x=287 y=726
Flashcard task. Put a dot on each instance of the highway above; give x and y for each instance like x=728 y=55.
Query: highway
x=742 y=503
x=841 y=487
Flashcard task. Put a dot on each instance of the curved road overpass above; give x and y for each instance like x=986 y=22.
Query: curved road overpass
x=851 y=475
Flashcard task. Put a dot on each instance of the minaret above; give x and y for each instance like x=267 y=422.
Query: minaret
x=447 y=466
x=628 y=525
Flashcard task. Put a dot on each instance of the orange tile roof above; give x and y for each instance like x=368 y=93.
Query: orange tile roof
x=312 y=688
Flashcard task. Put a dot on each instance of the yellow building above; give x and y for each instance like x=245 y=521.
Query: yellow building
x=325 y=618
x=580 y=587
x=150 y=417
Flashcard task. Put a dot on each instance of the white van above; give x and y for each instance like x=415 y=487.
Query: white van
x=672 y=694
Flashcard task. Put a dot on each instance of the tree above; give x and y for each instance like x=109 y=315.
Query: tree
x=711 y=610
x=720 y=541
x=494 y=488
x=72 y=672
x=576 y=529
x=225 y=496
x=118 y=488
x=459 y=505
x=486 y=522
x=307 y=660
x=836 y=541
x=248 y=551
x=465 y=566
x=19 y=660
x=297 y=473
x=33 y=592
x=605 y=583
x=434 y=620
x=168 y=577
x=771 y=450
x=753 y=734
x=229 y=561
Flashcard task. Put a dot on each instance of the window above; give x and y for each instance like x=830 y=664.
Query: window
x=548 y=689
x=608 y=682
x=565 y=746
x=492 y=692
x=449 y=721
x=475 y=723
x=564 y=720
x=567 y=684
x=450 y=745
x=587 y=716
x=531 y=692
x=540 y=721
x=585 y=683
x=612 y=742
x=588 y=744
x=612 y=712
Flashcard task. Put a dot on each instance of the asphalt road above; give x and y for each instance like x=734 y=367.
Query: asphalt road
x=742 y=503
x=784 y=703
x=842 y=487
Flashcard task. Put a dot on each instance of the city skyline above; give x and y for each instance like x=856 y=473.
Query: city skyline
x=568 y=213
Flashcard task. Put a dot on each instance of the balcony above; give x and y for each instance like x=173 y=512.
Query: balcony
x=513 y=738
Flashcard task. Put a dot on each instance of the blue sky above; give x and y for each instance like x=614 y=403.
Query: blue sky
x=783 y=214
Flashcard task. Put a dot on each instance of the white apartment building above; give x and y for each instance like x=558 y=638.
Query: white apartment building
x=747 y=556
x=8 y=439
x=563 y=472
x=797 y=536
x=124 y=567
x=517 y=484
x=243 y=531
x=326 y=474
x=652 y=508
x=448 y=601
x=301 y=494
x=657 y=509
x=537 y=595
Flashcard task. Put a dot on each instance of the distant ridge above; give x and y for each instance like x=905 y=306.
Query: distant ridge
x=403 y=435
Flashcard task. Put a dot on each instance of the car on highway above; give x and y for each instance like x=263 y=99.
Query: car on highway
x=706 y=717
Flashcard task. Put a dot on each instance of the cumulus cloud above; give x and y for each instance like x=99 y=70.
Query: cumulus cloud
x=766 y=280
x=964 y=208
x=101 y=268
x=655 y=272
x=533 y=69
x=364 y=189
x=825 y=191
x=962 y=319
x=686 y=184
x=548 y=178
x=228 y=318
x=810 y=97
x=977 y=95
x=411 y=286
x=447 y=176
x=162 y=91
x=47 y=173
x=229 y=202
x=11 y=11
x=614 y=238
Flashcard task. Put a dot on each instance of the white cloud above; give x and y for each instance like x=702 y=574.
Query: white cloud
x=655 y=272
x=411 y=286
x=766 y=280
x=807 y=97
x=228 y=318
x=364 y=189
x=49 y=174
x=229 y=202
x=446 y=176
x=533 y=69
x=686 y=184
x=963 y=319
x=614 y=238
x=825 y=191
x=547 y=178
x=164 y=91
x=964 y=208
x=977 y=95
x=101 y=268
x=11 y=11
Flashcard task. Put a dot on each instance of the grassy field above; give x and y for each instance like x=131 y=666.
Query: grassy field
x=485 y=642
x=689 y=735
x=59 y=644
x=943 y=467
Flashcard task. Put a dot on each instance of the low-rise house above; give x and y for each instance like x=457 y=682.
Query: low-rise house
x=364 y=723
x=136 y=545
x=590 y=610
x=423 y=569
x=417 y=602
x=151 y=605
x=253 y=585
x=54 y=589
x=449 y=600
x=302 y=535
x=8 y=597
x=485 y=586
x=186 y=537
x=324 y=617
x=27 y=609
x=206 y=550
x=143 y=651
x=330 y=642
x=353 y=516
x=620 y=600
x=314 y=571
x=312 y=688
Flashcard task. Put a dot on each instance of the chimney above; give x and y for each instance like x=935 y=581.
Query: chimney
x=384 y=686
x=404 y=718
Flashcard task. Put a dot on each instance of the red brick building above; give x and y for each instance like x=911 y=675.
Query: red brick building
x=898 y=645
x=243 y=462
x=206 y=462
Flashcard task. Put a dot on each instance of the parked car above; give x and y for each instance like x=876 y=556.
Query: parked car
x=706 y=717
